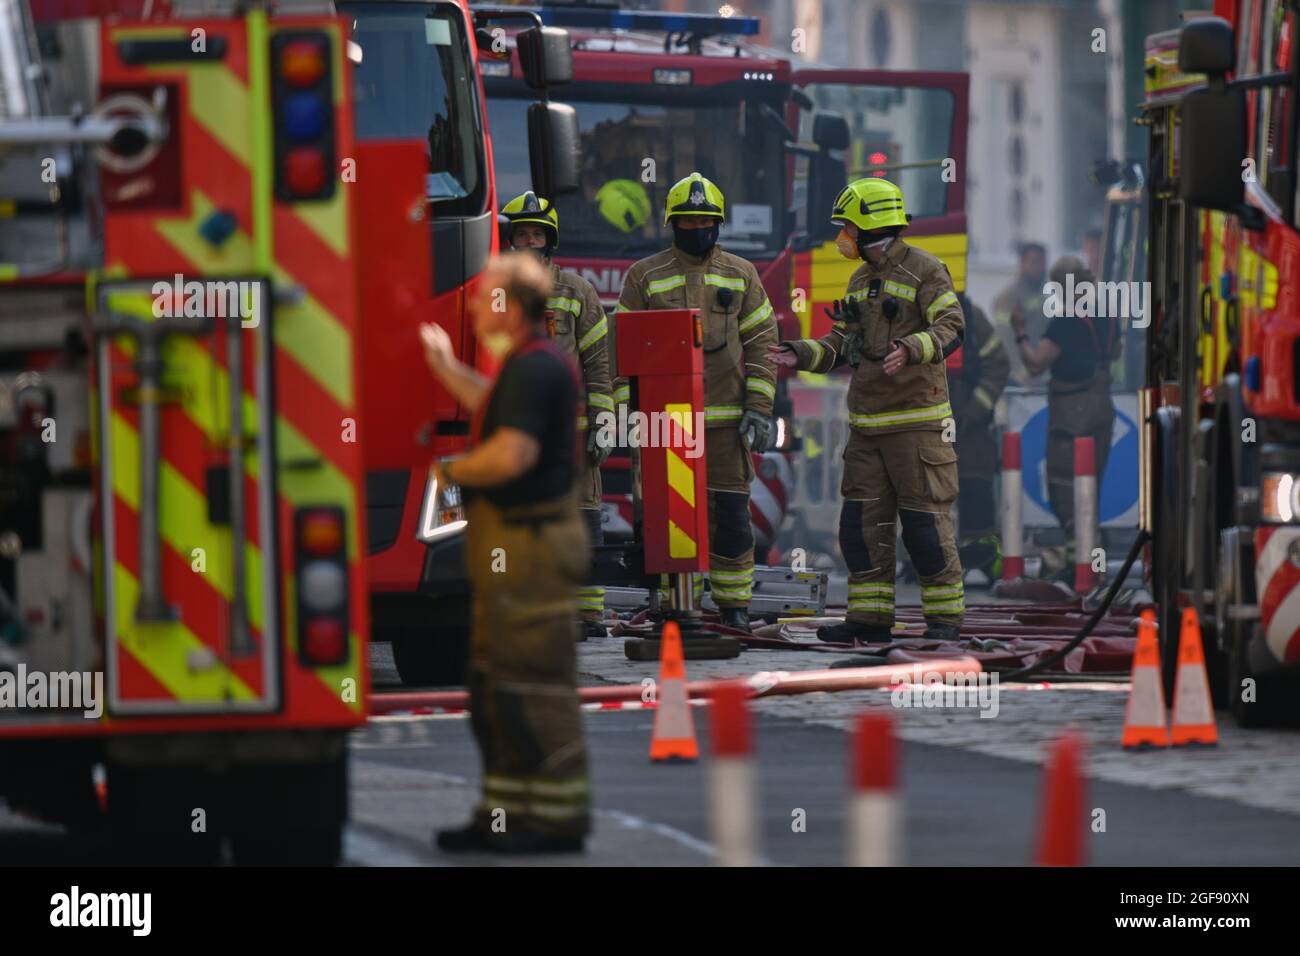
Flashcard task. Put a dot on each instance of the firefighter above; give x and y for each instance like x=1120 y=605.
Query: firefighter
x=898 y=321
x=1024 y=295
x=526 y=552
x=739 y=377
x=975 y=389
x=1078 y=350
x=577 y=324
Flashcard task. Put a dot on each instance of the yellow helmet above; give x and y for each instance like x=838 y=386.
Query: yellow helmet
x=869 y=204
x=624 y=204
x=531 y=208
x=694 y=196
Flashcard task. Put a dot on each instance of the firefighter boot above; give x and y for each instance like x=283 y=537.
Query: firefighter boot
x=735 y=617
x=471 y=838
x=591 y=596
x=851 y=632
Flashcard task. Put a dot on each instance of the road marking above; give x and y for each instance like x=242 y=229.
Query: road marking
x=366 y=850
x=630 y=821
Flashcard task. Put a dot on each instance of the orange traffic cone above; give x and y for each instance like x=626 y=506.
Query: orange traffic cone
x=1060 y=841
x=1144 y=718
x=1193 y=709
x=673 y=739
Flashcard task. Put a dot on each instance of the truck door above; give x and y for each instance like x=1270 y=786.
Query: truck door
x=910 y=128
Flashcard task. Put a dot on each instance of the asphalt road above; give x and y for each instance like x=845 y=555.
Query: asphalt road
x=971 y=784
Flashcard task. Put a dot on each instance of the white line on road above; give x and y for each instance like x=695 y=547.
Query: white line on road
x=631 y=821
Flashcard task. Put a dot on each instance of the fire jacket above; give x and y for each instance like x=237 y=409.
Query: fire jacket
x=736 y=316
x=907 y=299
x=578 y=326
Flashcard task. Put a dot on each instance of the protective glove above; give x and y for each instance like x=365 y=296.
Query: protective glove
x=852 y=346
x=842 y=310
x=596 y=452
x=755 y=430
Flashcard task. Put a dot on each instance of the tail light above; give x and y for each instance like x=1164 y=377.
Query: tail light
x=302 y=104
x=442 y=512
x=321 y=579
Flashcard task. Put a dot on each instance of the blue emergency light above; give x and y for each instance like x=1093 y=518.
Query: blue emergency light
x=610 y=18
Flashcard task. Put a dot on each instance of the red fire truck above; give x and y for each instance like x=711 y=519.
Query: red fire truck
x=1221 y=449
x=210 y=285
x=659 y=95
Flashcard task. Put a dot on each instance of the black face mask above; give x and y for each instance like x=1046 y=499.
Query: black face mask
x=696 y=242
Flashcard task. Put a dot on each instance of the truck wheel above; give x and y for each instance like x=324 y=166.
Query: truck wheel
x=431 y=656
x=315 y=846
x=1276 y=696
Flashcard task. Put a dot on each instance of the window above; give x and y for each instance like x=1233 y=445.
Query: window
x=416 y=81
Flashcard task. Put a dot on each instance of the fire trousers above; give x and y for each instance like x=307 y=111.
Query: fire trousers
x=1083 y=412
x=591 y=596
x=907 y=477
x=525 y=563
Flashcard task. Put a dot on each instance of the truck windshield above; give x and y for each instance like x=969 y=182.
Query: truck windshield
x=636 y=142
x=900 y=133
x=415 y=80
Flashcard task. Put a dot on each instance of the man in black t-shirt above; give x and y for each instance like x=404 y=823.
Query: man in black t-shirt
x=1078 y=349
x=526 y=551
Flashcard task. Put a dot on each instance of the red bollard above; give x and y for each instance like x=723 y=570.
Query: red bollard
x=875 y=818
x=1013 y=522
x=733 y=813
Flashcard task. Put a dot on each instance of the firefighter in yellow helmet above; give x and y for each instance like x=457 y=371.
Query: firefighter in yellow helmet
x=577 y=324
x=739 y=375
x=899 y=319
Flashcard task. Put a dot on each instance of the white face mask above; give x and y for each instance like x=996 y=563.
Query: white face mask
x=498 y=343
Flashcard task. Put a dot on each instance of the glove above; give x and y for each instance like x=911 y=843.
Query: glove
x=596 y=452
x=853 y=347
x=755 y=430
x=842 y=311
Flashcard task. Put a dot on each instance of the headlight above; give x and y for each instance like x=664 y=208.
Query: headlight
x=442 y=512
x=1279 y=499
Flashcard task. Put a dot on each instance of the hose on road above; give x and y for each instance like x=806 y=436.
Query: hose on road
x=1142 y=538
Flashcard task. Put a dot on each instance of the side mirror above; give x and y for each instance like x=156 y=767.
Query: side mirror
x=1206 y=46
x=553 y=148
x=826 y=180
x=545 y=57
x=1211 y=148
x=830 y=130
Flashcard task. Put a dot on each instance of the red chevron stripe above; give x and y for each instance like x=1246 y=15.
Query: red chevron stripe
x=203 y=610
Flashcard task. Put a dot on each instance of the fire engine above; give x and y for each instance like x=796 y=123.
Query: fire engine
x=215 y=230
x=1221 y=443
x=660 y=94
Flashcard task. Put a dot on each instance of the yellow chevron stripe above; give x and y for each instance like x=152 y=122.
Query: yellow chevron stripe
x=164 y=651
x=680 y=544
x=682 y=414
x=328 y=220
x=681 y=477
x=306 y=330
x=218 y=101
x=183 y=519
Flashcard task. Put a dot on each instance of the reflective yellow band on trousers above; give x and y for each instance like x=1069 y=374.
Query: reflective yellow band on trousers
x=906 y=416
